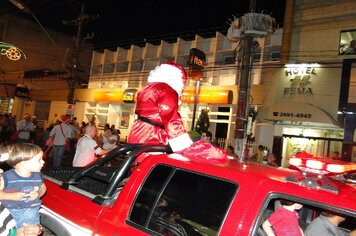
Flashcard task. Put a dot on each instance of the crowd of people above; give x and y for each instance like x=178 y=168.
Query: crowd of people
x=82 y=144
x=22 y=131
x=22 y=185
x=60 y=138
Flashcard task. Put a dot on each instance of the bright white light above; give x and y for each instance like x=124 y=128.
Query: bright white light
x=304 y=65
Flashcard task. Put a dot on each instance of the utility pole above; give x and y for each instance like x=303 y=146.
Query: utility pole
x=244 y=30
x=244 y=93
x=80 y=21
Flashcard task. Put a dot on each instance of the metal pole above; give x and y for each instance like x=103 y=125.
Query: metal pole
x=197 y=87
x=244 y=93
x=74 y=64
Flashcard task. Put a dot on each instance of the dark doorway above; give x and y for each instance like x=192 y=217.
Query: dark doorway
x=221 y=128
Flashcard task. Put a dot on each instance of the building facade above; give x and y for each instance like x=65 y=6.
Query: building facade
x=308 y=102
x=117 y=75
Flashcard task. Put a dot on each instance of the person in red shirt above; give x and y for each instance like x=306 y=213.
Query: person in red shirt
x=284 y=221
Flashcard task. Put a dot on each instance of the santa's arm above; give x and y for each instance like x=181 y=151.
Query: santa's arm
x=172 y=121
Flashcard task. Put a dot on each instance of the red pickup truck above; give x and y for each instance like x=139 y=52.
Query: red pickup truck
x=169 y=194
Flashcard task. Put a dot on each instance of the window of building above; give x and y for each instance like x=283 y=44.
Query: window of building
x=275 y=56
x=256 y=57
x=109 y=68
x=197 y=203
x=137 y=65
x=96 y=69
x=122 y=66
x=347 y=43
x=229 y=60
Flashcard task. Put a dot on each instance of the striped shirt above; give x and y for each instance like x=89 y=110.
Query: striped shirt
x=16 y=183
x=6 y=221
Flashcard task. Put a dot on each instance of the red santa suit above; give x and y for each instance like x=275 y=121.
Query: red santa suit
x=158 y=119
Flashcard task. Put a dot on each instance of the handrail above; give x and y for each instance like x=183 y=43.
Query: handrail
x=133 y=151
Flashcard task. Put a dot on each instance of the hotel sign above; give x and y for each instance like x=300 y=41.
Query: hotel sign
x=299 y=76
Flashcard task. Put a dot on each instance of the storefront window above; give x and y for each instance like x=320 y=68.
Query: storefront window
x=6 y=105
x=347 y=44
x=119 y=114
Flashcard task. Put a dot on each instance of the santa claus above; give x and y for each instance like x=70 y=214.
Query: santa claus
x=158 y=120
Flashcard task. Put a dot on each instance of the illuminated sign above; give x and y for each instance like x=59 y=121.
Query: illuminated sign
x=217 y=96
x=208 y=96
x=129 y=95
x=299 y=76
x=108 y=96
x=196 y=63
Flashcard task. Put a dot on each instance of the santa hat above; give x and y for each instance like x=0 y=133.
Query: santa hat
x=64 y=118
x=170 y=73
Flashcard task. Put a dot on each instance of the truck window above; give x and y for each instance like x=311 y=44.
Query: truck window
x=310 y=213
x=182 y=202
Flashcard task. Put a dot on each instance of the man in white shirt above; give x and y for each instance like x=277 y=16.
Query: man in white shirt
x=25 y=126
x=87 y=148
x=60 y=133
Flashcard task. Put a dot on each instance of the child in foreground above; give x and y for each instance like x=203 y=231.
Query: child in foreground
x=22 y=186
x=284 y=221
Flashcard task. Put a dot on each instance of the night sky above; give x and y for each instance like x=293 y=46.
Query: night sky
x=122 y=23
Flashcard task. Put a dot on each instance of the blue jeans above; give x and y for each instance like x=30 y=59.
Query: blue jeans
x=26 y=215
x=58 y=152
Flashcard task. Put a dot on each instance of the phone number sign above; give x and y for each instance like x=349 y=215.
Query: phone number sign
x=292 y=115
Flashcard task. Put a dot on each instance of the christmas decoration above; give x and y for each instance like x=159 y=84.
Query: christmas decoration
x=10 y=51
x=203 y=122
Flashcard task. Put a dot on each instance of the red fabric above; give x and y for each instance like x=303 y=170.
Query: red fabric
x=159 y=103
x=285 y=222
x=205 y=152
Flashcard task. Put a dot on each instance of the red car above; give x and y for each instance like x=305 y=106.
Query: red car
x=169 y=194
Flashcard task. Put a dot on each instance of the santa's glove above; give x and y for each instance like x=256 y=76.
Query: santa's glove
x=204 y=152
x=181 y=142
